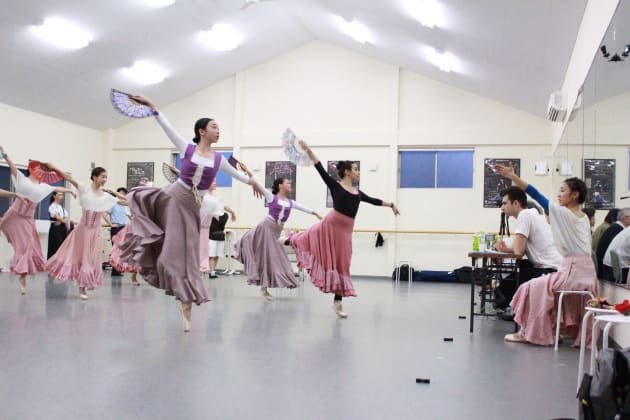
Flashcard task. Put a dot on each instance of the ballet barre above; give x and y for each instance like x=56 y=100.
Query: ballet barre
x=426 y=232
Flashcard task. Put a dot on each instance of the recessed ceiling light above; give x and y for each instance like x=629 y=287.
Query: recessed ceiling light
x=221 y=37
x=427 y=12
x=62 y=33
x=445 y=61
x=145 y=72
x=159 y=3
x=355 y=30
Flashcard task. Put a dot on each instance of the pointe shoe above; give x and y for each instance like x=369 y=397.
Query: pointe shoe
x=185 y=310
x=22 y=289
x=83 y=294
x=266 y=294
x=338 y=308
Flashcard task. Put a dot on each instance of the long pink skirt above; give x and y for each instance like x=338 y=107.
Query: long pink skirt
x=535 y=301
x=18 y=224
x=118 y=241
x=79 y=257
x=325 y=251
x=165 y=240
x=204 y=252
x=265 y=262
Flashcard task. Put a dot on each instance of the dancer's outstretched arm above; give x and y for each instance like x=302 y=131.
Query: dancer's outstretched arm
x=508 y=172
x=11 y=194
x=5 y=156
x=122 y=199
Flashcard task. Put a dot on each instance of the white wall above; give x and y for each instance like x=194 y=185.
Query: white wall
x=349 y=106
x=27 y=135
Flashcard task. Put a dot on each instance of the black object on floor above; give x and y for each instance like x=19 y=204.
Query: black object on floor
x=423 y=381
x=448 y=338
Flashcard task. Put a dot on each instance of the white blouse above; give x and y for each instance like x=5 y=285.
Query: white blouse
x=89 y=200
x=571 y=233
x=35 y=192
x=212 y=204
x=57 y=210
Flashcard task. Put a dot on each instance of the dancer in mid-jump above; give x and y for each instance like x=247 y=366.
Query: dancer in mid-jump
x=166 y=225
x=18 y=223
x=265 y=262
x=325 y=249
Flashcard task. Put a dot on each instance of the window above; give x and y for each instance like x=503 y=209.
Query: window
x=223 y=179
x=436 y=169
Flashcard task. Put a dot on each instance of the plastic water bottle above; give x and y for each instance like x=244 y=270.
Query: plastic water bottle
x=475 y=243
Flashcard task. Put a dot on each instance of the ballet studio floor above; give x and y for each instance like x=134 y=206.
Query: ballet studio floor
x=123 y=355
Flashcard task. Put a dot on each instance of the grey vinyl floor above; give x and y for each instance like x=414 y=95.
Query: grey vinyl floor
x=123 y=355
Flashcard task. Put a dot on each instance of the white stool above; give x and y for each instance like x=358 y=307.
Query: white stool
x=589 y=313
x=410 y=274
x=610 y=320
x=562 y=293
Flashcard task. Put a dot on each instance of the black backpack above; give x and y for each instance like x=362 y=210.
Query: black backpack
x=404 y=272
x=606 y=395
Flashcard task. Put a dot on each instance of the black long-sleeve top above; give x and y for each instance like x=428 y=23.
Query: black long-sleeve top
x=344 y=201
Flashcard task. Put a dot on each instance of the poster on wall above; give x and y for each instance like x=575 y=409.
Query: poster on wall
x=281 y=169
x=139 y=174
x=494 y=183
x=332 y=171
x=599 y=176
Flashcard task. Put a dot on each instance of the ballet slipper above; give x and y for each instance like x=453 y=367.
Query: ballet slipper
x=83 y=293
x=186 y=310
x=338 y=308
x=515 y=338
x=265 y=293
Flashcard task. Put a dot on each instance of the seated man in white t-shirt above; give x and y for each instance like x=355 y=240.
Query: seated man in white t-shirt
x=620 y=244
x=532 y=237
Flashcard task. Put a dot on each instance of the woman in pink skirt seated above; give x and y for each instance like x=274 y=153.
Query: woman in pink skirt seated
x=265 y=262
x=79 y=257
x=166 y=225
x=325 y=249
x=534 y=301
x=115 y=254
x=18 y=223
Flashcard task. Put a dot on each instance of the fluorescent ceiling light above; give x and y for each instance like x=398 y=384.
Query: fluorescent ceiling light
x=355 y=30
x=445 y=61
x=145 y=72
x=427 y=12
x=159 y=3
x=221 y=37
x=62 y=33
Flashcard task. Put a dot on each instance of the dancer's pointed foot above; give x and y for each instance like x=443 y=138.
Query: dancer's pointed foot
x=337 y=306
x=185 y=308
x=83 y=293
x=23 y=285
x=265 y=293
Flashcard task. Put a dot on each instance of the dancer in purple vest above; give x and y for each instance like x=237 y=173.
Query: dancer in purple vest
x=325 y=249
x=265 y=262
x=165 y=229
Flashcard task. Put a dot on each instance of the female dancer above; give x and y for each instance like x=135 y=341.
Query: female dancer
x=79 y=257
x=18 y=223
x=115 y=254
x=169 y=252
x=212 y=209
x=59 y=223
x=262 y=256
x=533 y=302
x=325 y=249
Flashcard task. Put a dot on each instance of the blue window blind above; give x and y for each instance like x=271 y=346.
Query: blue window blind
x=455 y=169
x=5 y=184
x=436 y=169
x=417 y=169
x=223 y=179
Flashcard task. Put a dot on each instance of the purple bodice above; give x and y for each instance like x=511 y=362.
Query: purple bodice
x=189 y=169
x=275 y=209
x=91 y=219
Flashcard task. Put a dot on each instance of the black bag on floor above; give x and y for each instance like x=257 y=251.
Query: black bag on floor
x=608 y=395
x=404 y=272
